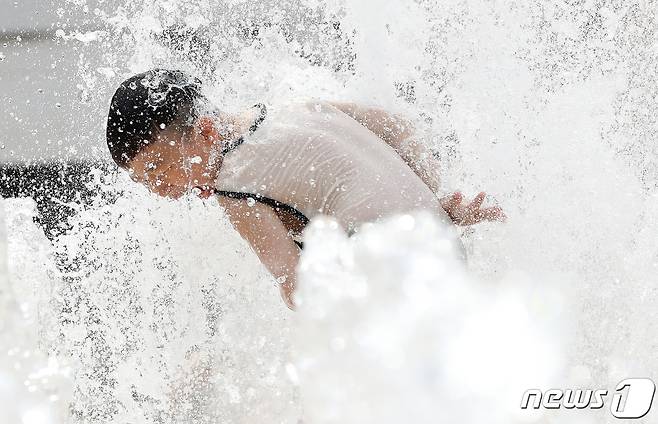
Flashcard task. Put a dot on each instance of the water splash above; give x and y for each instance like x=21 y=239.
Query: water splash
x=548 y=105
x=391 y=328
x=168 y=318
x=34 y=386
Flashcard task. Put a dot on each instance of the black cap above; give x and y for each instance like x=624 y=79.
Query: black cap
x=145 y=103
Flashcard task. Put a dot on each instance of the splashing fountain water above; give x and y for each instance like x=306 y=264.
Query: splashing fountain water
x=160 y=313
x=34 y=387
x=392 y=329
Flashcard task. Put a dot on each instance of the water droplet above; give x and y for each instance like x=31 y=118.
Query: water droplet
x=158 y=97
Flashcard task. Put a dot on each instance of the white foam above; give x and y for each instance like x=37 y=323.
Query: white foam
x=34 y=385
x=392 y=329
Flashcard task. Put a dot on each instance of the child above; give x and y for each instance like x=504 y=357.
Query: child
x=275 y=167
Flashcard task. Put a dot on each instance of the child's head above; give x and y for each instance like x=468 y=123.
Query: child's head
x=156 y=131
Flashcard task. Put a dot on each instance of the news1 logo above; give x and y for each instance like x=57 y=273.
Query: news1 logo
x=631 y=399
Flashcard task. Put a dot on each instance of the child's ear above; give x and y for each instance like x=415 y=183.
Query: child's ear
x=206 y=128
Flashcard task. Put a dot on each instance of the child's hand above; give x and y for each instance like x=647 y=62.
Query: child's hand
x=472 y=213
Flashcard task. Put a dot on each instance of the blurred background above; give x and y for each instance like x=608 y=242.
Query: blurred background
x=46 y=150
x=40 y=91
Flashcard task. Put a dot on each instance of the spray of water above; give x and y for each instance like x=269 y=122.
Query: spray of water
x=391 y=328
x=35 y=387
x=166 y=316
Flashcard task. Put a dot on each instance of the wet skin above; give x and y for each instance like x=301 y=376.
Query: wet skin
x=178 y=160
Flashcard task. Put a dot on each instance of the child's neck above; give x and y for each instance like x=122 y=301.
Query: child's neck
x=235 y=125
x=244 y=120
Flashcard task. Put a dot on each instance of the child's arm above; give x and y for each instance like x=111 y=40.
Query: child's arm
x=398 y=133
x=264 y=231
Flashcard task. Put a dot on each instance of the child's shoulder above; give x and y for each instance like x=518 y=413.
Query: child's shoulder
x=311 y=104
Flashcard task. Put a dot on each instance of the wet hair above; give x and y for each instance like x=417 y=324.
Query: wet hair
x=146 y=103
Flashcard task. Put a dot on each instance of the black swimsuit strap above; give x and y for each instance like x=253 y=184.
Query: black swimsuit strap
x=252 y=128
x=275 y=204
x=267 y=201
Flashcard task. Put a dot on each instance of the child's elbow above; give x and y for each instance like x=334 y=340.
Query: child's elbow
x=287 y=290
x=287 y=296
